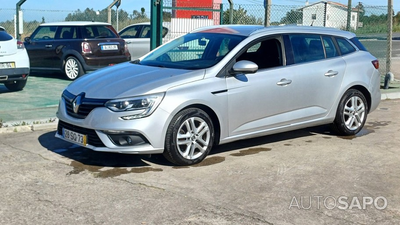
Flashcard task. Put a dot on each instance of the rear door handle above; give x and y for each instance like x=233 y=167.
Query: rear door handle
x=284 y=82
x=331 y=73
x=48 y=46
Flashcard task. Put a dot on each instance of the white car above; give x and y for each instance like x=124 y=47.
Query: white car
x=137 y=37
x=14 y=62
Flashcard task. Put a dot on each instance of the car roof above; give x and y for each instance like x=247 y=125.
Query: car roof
x=74 y=23
x=248 y=30
x=2 y=28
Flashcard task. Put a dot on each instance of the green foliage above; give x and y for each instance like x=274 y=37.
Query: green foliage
x=293 y=17
x=240 y=17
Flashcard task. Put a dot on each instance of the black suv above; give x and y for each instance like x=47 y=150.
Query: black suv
x=75 y=47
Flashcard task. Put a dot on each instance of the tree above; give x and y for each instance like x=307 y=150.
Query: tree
x=293 y=17
x=240 y=17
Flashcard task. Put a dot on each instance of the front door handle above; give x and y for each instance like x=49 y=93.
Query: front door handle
x=284 y=82
x=331 y=73
x=48 y=46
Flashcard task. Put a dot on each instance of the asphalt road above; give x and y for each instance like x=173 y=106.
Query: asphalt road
x=268 y=180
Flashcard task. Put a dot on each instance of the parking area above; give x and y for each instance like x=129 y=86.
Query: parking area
x=309 y=176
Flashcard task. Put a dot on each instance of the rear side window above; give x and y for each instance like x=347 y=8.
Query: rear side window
x=99 y=32
x=330 y=47
x=44 y=33
x=306 y=47
x=67 y=33
x=357 y=43
x=4 y=36
x=344 y=46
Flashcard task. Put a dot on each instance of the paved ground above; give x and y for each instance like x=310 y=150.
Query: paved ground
x=268 y=180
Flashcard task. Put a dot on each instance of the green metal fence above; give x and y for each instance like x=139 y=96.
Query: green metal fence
x=368 y=22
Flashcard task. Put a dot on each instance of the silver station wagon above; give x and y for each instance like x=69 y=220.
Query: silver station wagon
x=220 y=84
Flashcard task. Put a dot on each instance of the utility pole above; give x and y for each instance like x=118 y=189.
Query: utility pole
x=389 y=36
x=267 y=6
x=348 y=15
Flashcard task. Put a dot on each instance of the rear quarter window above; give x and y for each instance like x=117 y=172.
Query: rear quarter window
x=99 y=32
x=345 y=46
x=357 y=43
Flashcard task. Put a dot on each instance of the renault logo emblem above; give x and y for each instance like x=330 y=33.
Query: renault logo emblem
x=77 y=102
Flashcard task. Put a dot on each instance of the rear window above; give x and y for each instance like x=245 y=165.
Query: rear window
x=357 y=43
x=99 y=32
x=4 y=36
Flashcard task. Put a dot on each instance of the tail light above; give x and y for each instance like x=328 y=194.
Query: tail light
x=86 y=49
x=126 y=48
x=376 y=63
x=20 y=45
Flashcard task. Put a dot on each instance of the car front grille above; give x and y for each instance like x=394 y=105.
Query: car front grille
x=84 y=105
x=92 y=137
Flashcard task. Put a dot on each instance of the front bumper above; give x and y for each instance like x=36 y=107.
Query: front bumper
x=101 y=122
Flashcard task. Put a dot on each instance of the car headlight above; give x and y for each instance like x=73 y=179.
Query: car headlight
x=140 y=106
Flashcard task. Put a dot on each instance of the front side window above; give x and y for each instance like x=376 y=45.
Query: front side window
x=44 y=33
x=344 y=46
x=265 y=53
x=193 y=51
x=131 y=32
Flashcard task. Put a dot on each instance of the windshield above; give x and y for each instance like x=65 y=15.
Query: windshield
x=193 y=51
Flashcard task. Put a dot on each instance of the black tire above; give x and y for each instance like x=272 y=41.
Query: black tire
x=192 y=145
x=17 y=85
x=73 y=68
x=351 y=113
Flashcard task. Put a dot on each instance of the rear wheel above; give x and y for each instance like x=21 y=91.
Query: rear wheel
x=189 y=137
x=16 y=85
x=351 y=113
x=72 y=68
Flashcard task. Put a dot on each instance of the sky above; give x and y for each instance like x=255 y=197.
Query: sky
x=63 y=7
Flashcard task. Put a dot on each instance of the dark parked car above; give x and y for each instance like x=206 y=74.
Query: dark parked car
x=75 y=47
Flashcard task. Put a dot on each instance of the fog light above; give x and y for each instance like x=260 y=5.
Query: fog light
x=126 y=138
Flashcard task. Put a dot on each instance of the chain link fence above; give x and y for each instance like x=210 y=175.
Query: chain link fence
x=368 y=22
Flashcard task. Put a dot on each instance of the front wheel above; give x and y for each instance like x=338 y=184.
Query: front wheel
x=189 y=137
x=351 y=113
x=16 y=85
x=72 y=68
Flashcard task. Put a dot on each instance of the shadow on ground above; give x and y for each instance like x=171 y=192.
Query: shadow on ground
x=84 y=156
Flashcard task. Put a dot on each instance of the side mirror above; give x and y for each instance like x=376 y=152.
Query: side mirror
x=245 y=67
x=28 y=39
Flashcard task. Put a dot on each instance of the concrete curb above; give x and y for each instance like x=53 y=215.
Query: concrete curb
x=28 y=128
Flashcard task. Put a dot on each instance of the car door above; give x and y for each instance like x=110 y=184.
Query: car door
x=136 y=46
x=263 y=100
x=318 y=73
x=40 y=47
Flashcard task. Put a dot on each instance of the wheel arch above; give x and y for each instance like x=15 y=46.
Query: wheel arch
x=212 y=115
x=366 y=94
x=76 y=55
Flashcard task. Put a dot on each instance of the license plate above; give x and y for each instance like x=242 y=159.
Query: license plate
x=109 y=47
x=7 y=65
x=75 y=137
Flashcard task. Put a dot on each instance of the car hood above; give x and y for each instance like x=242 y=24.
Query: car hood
x=128 y=79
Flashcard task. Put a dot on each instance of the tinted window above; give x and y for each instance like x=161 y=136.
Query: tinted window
x=266 y=53
x=344 y=46
x=145 y=32
x=330 y=47
x=44 y=33
x=131 y=32
x=99 y=32
x=357 y=43
x=4 y=36
x=306 y=47
x=67 y=33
